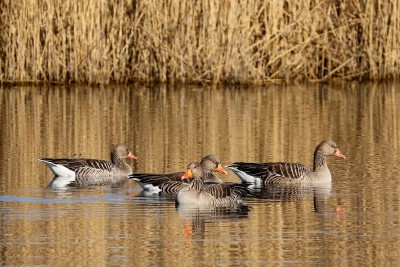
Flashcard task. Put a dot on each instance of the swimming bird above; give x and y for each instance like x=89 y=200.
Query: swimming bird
x=200 y=194
x=82 y=171
x=171 y=183
x=281 y=173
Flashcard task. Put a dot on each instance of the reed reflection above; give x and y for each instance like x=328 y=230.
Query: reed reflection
x=168 y=127
x=252 y=124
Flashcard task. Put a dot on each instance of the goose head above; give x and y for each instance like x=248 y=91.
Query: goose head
x=194 y=170
x=212 y=163
x=122 y=151
x=329 y=148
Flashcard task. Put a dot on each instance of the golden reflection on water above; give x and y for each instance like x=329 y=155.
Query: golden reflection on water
x=169 y=126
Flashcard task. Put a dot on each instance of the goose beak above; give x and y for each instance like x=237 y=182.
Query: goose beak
x=131 y=156
x=339 y=154
x=188 y=174
x=221 y=169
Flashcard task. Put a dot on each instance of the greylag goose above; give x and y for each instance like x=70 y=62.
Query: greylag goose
x=171 y=183
x=83 y=171
x=281 y=173
x=201 y=194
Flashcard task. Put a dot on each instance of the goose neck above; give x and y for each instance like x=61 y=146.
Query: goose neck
x=197 y=184
x=319 y=160
x=116 y=160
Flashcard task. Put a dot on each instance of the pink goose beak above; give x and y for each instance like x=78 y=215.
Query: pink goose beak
x=131 y=156
x=339 y=154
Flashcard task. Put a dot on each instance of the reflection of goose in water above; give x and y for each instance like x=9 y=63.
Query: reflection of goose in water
x=87 y=172
x=297 y=193
x=195 y=219
x=281 y=173
x=62 y=182
x=320 y=199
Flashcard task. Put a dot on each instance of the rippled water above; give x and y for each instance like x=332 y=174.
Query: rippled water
x=355 y=222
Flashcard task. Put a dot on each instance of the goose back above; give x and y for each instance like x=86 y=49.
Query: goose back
x=271 y=173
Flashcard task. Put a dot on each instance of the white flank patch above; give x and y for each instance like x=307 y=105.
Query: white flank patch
x=60 y=170
x=149 y=187
x=245 y=177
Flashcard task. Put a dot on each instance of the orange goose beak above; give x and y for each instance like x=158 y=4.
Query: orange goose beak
x=221 y=169
x=188 y=174
x=131 y=156
x=339 y=154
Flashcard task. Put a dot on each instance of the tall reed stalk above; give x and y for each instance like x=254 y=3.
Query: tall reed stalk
x=214 y=41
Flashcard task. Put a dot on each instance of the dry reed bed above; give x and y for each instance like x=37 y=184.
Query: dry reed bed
x=198 y=41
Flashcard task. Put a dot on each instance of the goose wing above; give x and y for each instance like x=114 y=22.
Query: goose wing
x=173 y=187
x=156 y=179
x=223 y=190
x=79 y=163
x=273 y=169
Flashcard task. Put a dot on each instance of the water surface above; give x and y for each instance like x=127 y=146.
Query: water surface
x=355 y=222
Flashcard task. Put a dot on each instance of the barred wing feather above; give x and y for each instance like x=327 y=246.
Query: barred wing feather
x=224 y=190
x=272 y=169
x=155 y=178
x=76 y=164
